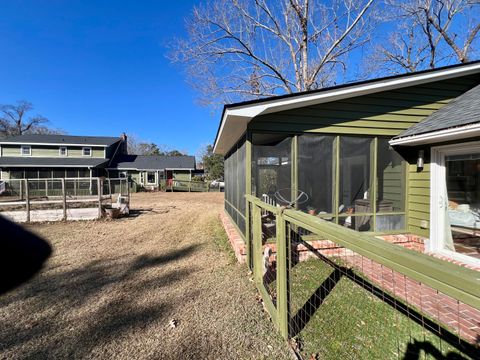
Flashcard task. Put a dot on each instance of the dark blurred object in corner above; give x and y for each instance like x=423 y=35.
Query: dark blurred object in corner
x=22 y=254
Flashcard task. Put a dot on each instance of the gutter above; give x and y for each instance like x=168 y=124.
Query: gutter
x=242 y=113
x=456 y=133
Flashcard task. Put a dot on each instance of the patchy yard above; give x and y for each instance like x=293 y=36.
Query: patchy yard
x=111 y=287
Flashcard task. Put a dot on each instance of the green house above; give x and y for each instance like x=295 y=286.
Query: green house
x=148 y=171
x=38 y=156
x=397 y=157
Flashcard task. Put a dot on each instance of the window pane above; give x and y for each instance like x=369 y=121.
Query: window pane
x=271 y=165
x=390 y=179
x=463 y=215
x=151 y=177
x=355 y=194
x=390 y=222
x=315 y=172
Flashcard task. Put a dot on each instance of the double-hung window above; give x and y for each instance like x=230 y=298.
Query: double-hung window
x=26 y=150
x=87 y=151
x=151 y=177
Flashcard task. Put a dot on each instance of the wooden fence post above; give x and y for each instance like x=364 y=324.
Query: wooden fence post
x=27 y=200
x=282 y=276
x=99 y=189
x=64 y=199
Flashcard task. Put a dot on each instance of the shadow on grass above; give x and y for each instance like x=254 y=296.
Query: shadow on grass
x=309 y=308
x=416 y=350
x=71 y=312
x=22 y=255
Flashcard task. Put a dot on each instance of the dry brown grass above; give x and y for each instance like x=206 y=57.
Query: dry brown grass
x=111 y=287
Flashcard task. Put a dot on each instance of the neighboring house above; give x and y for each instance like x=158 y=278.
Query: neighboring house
x=45 y=156
x=393 y=156
x=35 y=156
x=149 y=170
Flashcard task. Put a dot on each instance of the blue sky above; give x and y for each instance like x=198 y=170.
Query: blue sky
x=99 y=68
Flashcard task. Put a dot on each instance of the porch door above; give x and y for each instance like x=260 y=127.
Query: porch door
x=455 y=201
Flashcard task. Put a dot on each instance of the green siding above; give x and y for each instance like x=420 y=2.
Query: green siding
x=387 y=113
x=51 y=151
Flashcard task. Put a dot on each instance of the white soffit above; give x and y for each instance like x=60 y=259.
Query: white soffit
x=236 y=118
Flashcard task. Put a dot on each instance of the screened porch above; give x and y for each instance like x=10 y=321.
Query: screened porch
x=354 y=181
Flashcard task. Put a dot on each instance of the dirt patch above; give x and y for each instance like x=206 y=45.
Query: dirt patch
x=111 y=289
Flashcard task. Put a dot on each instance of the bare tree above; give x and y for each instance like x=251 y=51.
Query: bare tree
x=429 y=33
x=243 y=49
x=14 y=120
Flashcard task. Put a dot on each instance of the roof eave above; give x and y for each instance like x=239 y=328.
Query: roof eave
x=239 y=116
x=457 y=133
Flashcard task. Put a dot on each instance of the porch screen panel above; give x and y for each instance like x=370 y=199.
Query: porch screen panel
x=355 y=183
x=241 y=181
x=355 y=171
x=315 y=172
x=271 y=165
x=235 y=184
x=390 y=179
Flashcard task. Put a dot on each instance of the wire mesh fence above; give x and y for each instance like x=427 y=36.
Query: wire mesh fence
x=346 y=304
x=341 y=295
x=52 y=199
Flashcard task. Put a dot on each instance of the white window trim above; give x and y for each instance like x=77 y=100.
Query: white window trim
x=154 y=175
x=437 y=220
x=83 y=151
x=26 y=147
x=60 y=151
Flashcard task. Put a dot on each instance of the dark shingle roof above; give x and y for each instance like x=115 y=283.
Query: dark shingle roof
x=152 y=162
x=464 y=110
x=61 y=139
x=33 y=161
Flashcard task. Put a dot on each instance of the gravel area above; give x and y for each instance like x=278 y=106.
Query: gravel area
x=111 y=289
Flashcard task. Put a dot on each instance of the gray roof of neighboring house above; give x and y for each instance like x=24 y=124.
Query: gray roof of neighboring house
x=152 y=162
x=61 y=139
x=32 y=161
x=464 y=110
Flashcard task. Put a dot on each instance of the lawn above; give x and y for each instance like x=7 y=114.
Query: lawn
x=111 y=288
x=352 y=323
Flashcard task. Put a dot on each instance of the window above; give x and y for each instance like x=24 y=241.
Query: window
x=62 y=151
x=26 y=150
x=151 y=177
x=455 y=197
x=87 y=151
